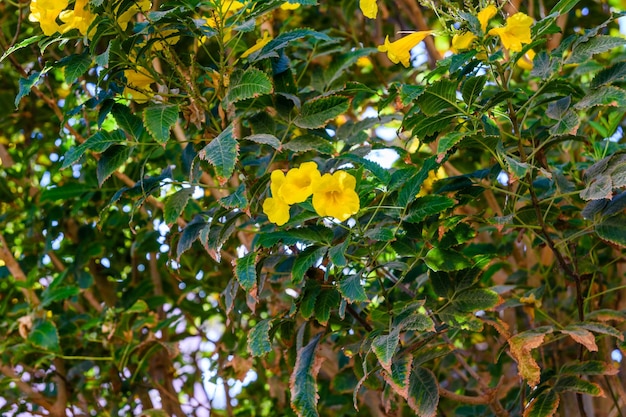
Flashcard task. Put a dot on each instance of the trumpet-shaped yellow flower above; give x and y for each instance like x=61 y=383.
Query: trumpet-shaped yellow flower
x=141 y=6
x=260 y=43
x=526 y=62
x=46 y=12
x=138 y=85
x=274 y=207
x=485 y=15
x=298 y=185
x=289 y=6
x=80 y=18
x=400 y=50
x=515 y=33
x=334 y=196
x=369 y=8
x=461 y=42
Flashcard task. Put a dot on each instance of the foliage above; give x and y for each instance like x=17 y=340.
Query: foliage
x=456 y=248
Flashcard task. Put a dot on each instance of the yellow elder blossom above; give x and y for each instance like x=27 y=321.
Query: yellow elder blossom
x=461 y=42
x=485 y=15
x=526 y=62
x=80 y=18
x=369 y=8
x=46 y=12
x=290 y=6
x=334 y=196
x=274 y=207
x=138 y=84
x=515 y=33
x=260 y=43
x=298 y=185
x=140 y=6
x=400 y=50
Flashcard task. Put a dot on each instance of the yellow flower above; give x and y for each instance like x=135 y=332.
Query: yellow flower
x=298 y=185
x=165 y=39
x=369 y=8
x=226 y=7
x=433 y=177
x=46 y=12
x=274 y=207
x=526 y=62
x=290 y=6
x=260 y=43
x=334 y=196
x=485 y=15
x=515 y=33
x=140 y=6
x=80 y=18
x=400 y=50
x=460 y=42
x=138 y=85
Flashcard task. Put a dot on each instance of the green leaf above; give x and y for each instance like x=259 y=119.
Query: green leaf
x=302 y=383
x=411 y=187
x=304 y=261
x=26 y=84
x=337 y=254
x=175 y=205
x=65 y=192
x=441 y=95
x=44 y=335
x=327 y=300
x=98 y=142
x=130 y=123
x=312 y=290
x=425 y=128
x=20 y=45
x=315 y=113
x=474 y=300
x=307 y=143
x=247 y=84
x=343 y=62
x=604 y=96
x=572 y=383
x=614 y=73
x=613 y=229
x=352 y=289
x=379 y=172
x=222 y=153
x=568 y=125
x=447 y=142
x=602 y=329
x=380 y=234
x=283 y=40
x=446 y=260
x=306 y=235
x=189 y=234
x=264 y=139
x=588 y=368
x=563 y=7
x=472 y=88
x=595 y=45
x=384 y=347
x=245 y=271
x=427 y=206
x=237 y=199
x=158 y=120
x=74 y=66
x=400 y=375
x=545 y=405
x=418 y=322
x=54 y=294
x=259 y=338
x=423 y=392
x=110 y=161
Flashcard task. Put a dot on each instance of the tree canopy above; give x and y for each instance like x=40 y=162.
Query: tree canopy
x=312 y=208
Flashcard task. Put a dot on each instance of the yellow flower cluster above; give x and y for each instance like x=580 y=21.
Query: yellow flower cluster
x=334 y=194
x=46 y=13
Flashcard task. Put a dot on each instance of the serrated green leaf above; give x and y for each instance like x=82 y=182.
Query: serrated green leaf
x=441 y=95
x=44 y=335
x=283 y=40
x=472 y=88
x=247 y=84
x=343 y=62
x=337 y=254
x=327 y=301
x=158 y=120
x=259 y=338
x=426 y=206
x=423 y=392
x=74 y=66
x=264 y=139
x=312 y=290
x=307 y=143
x=448 y=141
x=26 y=84
x=426 y=127
x=379 y=172
x=473 y=300
x=409 y=92
x=602 y=329
x=302 y=383
x=307 y=235
x=588 y=368
x=614 y=73
x=411 y=186
x=400 y=374
x=54 y=294
x=98 y=142
x=613 y=229
x=352 y=289
x=20 y=45
x=563 y=6
x=572 y=383
x=595 y=45
x=545 y=405
x=315 y=113
x=304 y=261
x=446 y=260
x=175 y=205
x=222 y=153
x=65 y=192
x=384 y=347
x=130 y=123
x=110 y=161
x=237 y=199
x=245 y=271
x=567 y=125
x=380 y=234
x=189 y=234
x=418 y=322
x=604 y=96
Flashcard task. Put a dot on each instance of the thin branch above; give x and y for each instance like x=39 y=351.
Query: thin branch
x=16 y=270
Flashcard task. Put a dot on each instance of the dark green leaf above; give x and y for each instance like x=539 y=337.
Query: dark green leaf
x=384 y=346
x=337 y=254
x=604 y=96
x=304 y=261
x=423 y=392
x=448 y=141
x=264 y=139
x=472 y=88
x=25 y=86
x=315 y=113
x=245 y=271
x=446 y=260
x=352 y=289
x=189 y=235
x=54 y=294
x=427 y=206
x=308 y=235
x=175 y=205
x=98 y=142
x=307 y=143
x=613 y=229
x=65 y=192
x=563 y=7
x=237 y=199
x=312 y=290
x=110 y=161
x=614 y=73
x=411 y=187
x=588 y=368
x=222 y=153
x=44 y=335
x=380 y=234
x=302 y=384
x=20 y=45
x=473 y=300
x=130 y=123
x=441 y=95
x=379 y=172
x=327 y=301
x=74 y=66
x=158 y=120
x=259 y=338
x=545 y=405
x=247 y=84
x=572 y=383
x=283 y=40
x=595 y=45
